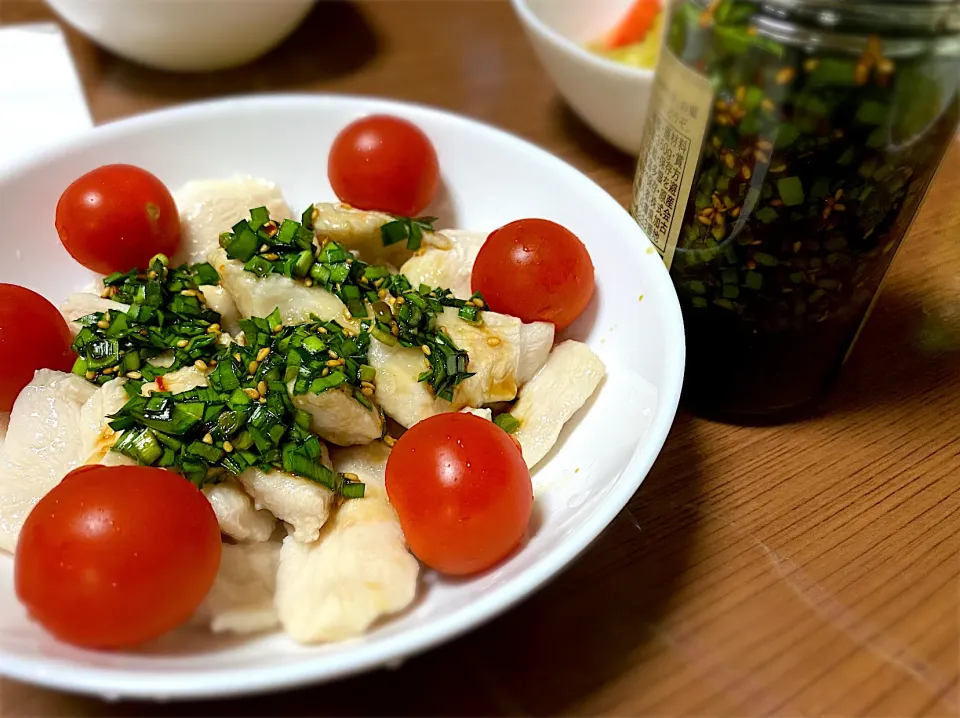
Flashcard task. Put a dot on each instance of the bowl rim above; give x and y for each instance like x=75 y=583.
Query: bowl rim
x=73 y=675
x=565 y=44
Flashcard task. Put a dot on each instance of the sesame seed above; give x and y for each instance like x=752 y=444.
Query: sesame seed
x=227 y=446
x=103 y=324
x=746 y=172
x=271 y=256
x=785 y=75
x=811 y=64
x=478 y=302
x=208 y=439
x=426 y=363
x=315 y=215
x=325 y=372
x=200 y=365
x=189 y=292
x=182 y=343
x=134 y=375
x=389 y=440
x=382 y=294
x=351 y=477
x=263 y=400
x=91 y=375
x=237 y=356
x=394 y=329
x=151 y=274
x=767 y=104
x=264 y=248
x=252 y=393
x=425 y=349
x=277 y=329
x=367 y=383
x=400 y=300
x=308 y=282
x=213 y=329
x=494 y=341
x=333 y=354
x=333 y=362
x=262 y=387
x=263 y=353
x=252 y=367
x=366 y=391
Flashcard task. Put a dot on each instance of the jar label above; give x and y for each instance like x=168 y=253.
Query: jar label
x=681 y=102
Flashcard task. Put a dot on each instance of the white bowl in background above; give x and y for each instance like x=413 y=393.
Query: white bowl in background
x=185 y=35
x=610 y=97
x=602 y=456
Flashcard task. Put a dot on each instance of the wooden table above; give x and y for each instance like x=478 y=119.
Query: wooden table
x=806 y=569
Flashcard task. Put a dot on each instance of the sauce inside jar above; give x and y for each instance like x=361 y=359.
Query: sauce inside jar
x=813 y=163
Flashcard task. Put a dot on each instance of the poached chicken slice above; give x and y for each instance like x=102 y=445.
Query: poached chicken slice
x=563 y=385
x=358 y=571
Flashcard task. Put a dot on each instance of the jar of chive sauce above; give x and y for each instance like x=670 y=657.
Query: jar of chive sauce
x=787 y=149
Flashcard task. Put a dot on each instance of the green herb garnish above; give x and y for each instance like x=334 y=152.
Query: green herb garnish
x=246 y=416
x=167 y=314
x=508 y=422
x=406 y=229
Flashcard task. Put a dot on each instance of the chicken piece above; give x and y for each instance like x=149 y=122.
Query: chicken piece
x=238 y=517
x=339 y=418
x=359 y=230
x=258 y=297
x=495 y=348
x=241 y=598
x=359 y=570
x=176 y=382
x=561 y=387
x=44 y=442
x=220 y=301
x=302 y=503
x=536 y=340
x=83 y=303
x=210 y=207
x=95 y=432
x=447 y=268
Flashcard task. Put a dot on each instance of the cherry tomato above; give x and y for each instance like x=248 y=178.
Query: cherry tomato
x=116 y=218
x=33 y=335
x=536 y=270
x=115 y=556
x=384 y=163
x=461 y=490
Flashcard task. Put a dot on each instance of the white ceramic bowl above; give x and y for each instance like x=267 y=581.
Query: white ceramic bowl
x=600 y=461
x=185 y=35
x=610 y=97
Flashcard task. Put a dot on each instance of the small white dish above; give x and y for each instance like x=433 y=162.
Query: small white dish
x=490 y=177
x=185 y=36
x=610 y=97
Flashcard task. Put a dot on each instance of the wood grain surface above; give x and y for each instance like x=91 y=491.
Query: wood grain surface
x=806 y=569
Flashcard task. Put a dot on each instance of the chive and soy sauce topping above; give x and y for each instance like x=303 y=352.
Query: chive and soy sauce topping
x=389 y=307
x=166 y=314
x=814 y=161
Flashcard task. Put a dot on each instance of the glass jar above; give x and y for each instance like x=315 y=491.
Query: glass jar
x=788 y=146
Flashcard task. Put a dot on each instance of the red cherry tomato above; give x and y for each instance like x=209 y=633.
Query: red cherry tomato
x=116 y=218
x=461 y=490
x=115 y=556
x=536 y=270
x=384 y=163
x=33 y=335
